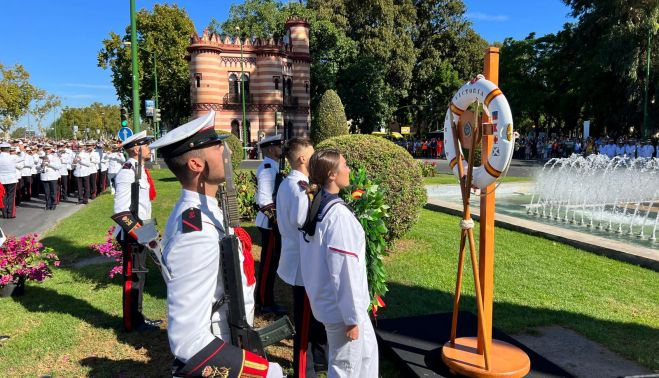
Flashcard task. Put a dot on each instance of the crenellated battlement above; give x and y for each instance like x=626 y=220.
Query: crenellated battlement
x=227 y=42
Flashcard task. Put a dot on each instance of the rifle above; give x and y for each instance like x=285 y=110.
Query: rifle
x=135 y=188
x=282 y=164
x=243 y=335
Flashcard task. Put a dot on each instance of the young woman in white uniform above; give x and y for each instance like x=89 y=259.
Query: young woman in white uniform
x=333 y=264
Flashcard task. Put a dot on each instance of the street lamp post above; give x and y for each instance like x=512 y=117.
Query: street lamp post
x=242 y=91
x=156 y=124
x=136 y=83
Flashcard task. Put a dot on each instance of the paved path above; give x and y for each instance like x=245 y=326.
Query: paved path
x=579 y=356
x=31 y=216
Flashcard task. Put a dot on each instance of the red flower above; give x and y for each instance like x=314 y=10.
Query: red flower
x=357 y=193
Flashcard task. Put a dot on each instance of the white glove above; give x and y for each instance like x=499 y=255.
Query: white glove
x=274 y=370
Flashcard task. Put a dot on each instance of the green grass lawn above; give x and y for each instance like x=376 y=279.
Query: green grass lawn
x=69 y=326
x=447 y=178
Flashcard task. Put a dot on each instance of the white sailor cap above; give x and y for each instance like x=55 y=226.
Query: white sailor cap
x=136 y=140
x=195 y=134
x=5 y=145
x=47 y=147
x=272 y=140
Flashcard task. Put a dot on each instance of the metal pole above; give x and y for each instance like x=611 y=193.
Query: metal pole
x=136 y=83
x=644 y=130
x=242 y=90
x=155 y=83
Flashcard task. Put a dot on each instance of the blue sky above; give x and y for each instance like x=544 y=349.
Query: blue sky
x=58 y=41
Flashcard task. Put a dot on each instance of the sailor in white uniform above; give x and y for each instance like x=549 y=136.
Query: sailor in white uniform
x=266 y=222
x=49 y=169
x=334 y=273
x=115 y=162
x=292 y=209
x=66 y=158
x=8 y=165
x=26 y=173
x=95 y=162
x=81 y=165
x=197 y=329
x=134 y=256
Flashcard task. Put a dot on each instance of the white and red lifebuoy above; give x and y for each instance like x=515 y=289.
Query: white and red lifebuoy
x=497 y=108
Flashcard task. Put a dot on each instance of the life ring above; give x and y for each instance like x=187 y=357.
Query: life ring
x=497 y=108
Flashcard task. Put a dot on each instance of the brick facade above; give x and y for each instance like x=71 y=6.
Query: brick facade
x=277 y=80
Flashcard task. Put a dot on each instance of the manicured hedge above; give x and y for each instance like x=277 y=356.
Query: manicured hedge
x=329 y=119
x=236 y=147
x=396 y=171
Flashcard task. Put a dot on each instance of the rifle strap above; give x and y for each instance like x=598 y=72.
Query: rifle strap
x=316 y=214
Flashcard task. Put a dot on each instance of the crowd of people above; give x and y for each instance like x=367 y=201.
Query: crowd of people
x=425 y=148
x=530 y=148
x=57 y=169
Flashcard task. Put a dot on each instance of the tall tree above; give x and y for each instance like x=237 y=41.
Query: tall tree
x=16 y=93
x=105 y=118
x=611 y=46
x=42 y=104
x=450 y=53
x=165 y=31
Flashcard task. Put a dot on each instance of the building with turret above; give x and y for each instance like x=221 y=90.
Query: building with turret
x=276 y=81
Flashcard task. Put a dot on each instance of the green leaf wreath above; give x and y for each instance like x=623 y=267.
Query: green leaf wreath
x=366 y=199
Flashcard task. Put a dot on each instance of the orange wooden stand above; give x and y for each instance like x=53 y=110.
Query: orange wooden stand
x=482 y=356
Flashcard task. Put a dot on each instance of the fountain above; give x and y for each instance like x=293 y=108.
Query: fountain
x=617 y=194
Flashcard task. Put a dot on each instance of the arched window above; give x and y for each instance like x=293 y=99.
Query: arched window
x=197 y=78
x=235 y=128
x=234 y=85
x=246 y=84
x=289 y=87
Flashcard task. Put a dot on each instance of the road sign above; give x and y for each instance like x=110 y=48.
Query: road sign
x=125 y=133
x=149 y=107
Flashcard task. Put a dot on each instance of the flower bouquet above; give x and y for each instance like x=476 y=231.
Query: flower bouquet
x=25 y=259
x=366 y=199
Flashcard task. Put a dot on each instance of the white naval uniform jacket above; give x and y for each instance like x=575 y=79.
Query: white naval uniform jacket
x=334 y=268
x=95 y=159
x=124 y=180
x=265 y=176
x=81 y=166
x=49 y=168
x=193 y=260
x=292 y=208
x=8 y=165
x=65 y=158
x=28 y=163
x=104 y=159
x=116 y=160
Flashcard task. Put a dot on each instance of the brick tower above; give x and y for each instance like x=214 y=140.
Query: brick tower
x=276 y=80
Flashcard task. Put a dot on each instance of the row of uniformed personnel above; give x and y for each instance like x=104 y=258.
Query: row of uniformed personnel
x=331 y=268
x=25 y=170
x=643 y=149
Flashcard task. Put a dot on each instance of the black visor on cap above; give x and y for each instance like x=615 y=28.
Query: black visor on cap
x=139 y=142
x=199 y=140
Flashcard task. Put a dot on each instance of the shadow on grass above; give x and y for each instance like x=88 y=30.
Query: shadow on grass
x=46 y=300
x=98 y=273
x=631 y=340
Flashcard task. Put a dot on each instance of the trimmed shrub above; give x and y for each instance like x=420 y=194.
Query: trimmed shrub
x=392 y=166
x=246 y=187
x=329 y=119
x=236 y=147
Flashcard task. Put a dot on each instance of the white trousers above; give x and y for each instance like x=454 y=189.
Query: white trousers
x=355 y=359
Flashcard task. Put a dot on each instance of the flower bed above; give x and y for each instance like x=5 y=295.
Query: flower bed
x=25 y=259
